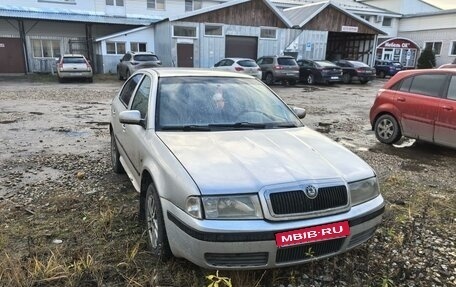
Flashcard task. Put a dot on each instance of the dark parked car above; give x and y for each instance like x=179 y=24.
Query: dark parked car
x=419 y=104
x=133 y=61
x=387 y=68
x=355 y=70
x=279 y=68
x=323 y=72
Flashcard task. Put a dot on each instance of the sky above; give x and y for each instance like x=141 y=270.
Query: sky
x=443 y=4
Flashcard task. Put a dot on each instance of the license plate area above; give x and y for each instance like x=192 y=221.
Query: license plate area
x=313 y=234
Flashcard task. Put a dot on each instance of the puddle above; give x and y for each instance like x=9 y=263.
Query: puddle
x=77 y=134
x=412 y=166
x=36 y=113
x=8 y=121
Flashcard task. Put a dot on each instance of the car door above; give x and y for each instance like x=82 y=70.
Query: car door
x=135 y=135
x=419 y=104
x=121 y=103
x=445 y=125
x=304 y=69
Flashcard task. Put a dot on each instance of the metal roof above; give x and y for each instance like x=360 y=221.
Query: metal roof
x=52 y=14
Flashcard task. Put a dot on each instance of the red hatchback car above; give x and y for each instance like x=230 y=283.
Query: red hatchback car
x=419 y=104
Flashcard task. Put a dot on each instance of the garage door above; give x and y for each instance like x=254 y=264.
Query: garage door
x=11 y=56
x=244 y=47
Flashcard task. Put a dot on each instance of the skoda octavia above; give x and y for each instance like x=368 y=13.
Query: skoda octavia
x=230 y=178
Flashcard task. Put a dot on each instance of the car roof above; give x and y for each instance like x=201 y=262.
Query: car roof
x=73 y=55
x=238 y=59
x=193 y=72
x=406 y=73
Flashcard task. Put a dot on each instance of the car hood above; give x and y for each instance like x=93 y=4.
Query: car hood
x=246 y=161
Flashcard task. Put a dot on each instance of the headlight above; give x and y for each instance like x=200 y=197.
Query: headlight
x=363 y=190
x=193 y=207
x=232 y=207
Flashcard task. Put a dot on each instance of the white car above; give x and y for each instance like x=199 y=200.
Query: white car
x=74 y=66
x=229 y=178
x=240 y=65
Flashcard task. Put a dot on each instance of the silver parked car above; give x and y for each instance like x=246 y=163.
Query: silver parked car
x=133 y=61
x=230 y=178
x=74 y=66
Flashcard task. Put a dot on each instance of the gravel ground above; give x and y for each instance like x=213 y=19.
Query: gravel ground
x=52 y=133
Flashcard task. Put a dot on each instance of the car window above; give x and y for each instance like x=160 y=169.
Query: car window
x=341 y=64
x=128 y=89
x=141 y=100
x=358 y=64
x=325 y=64
x=429 y=85
x=267 y=61
x=452 y=89
x=145 y=58
x=247 y=63
x=218 y=63
x=190 y=101
x=74 y=60
x=405 y=84
x=259 y=61
x=286 y=61
x=228 y=62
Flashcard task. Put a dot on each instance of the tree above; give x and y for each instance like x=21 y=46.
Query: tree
x=426 y=59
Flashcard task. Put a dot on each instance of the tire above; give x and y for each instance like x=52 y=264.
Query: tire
x=292 y=82
x=115 y=157
x=119 y=75
x=128 y=74
x=60 y=80
x=269 y=80
x=387 y=129
x=154 y=224
x=346 y=78
x=382 y=74
x=90 y=80
x=363 y=81
x=310 y=80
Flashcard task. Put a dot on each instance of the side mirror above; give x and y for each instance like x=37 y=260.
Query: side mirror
x=300 y=112
x=131 y=118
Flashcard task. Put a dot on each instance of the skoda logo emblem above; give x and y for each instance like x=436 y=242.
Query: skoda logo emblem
x=311 y=191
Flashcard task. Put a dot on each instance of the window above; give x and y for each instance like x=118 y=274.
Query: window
x=452 y=89
x=267 y=33
x=138 y=47
x=128 y=89
x=435 y=46
x=365 y=17
x=387 y=22
x=156 y=4
x=429 y=85
x=115 y=48
x=46 y=48
x=213 y=30
x=183 y=31
x=453 y=48
x=405 y=86
x=191 y=5
x=141 y=99
x=115 y=2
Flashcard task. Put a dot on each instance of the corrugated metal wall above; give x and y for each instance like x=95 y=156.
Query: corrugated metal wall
x=163 y=44
x=310 y=45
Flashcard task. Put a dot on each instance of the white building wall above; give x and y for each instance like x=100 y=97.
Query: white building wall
x=446 y=36
x=9 y=28
x=434 y=22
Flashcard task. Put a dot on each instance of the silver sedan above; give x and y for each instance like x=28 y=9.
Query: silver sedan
x=228 y=176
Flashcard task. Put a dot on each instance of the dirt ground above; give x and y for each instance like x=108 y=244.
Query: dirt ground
x=55 y=141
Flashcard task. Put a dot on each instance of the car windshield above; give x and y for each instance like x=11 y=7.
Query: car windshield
x=326 y=64
x=358 y=64
x=247 y=63
x=145 y=58
x=73 y=60
x=219 y=103
x=286 y=61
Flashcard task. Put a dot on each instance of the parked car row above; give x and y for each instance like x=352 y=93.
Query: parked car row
x=272 y=69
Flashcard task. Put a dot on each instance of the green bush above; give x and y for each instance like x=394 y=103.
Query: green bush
x=426 y=59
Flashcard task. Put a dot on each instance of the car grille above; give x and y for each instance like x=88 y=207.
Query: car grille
x=237 y=259
x=308 y=251
x=296 y=201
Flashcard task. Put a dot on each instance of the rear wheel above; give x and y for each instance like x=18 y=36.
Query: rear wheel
x=310 y=80
x=119 y=75
x=382 y=74
x=269 y=80
x=292 y=82
x=387 y=129
x=363 y=81
x=154 y=224
x=128 y=74
x=346 y=78
x=90 y=80
x=60 y=80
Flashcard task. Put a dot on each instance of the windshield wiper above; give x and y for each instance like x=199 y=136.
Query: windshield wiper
x=186 y=128
x=285 y=125
x=239 y=125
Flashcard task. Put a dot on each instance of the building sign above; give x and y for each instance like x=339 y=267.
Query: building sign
x=352 y=29
x=398 y=43
x=399 y=50
x=308 y=46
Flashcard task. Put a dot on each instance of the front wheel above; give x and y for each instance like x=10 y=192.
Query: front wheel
x=346 y=78
x=364 y=81
x=310 y=80
x=382 y=74
x=115 y=157
x=387 y=129
x=154 y=223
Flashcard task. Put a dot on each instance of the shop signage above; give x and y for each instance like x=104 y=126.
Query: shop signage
x=352 y=29
x=398 y=44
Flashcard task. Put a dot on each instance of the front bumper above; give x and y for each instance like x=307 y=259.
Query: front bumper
x=250 y=244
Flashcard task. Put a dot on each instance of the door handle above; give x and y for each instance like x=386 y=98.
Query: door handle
x=448 y=108
x=401 y=99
